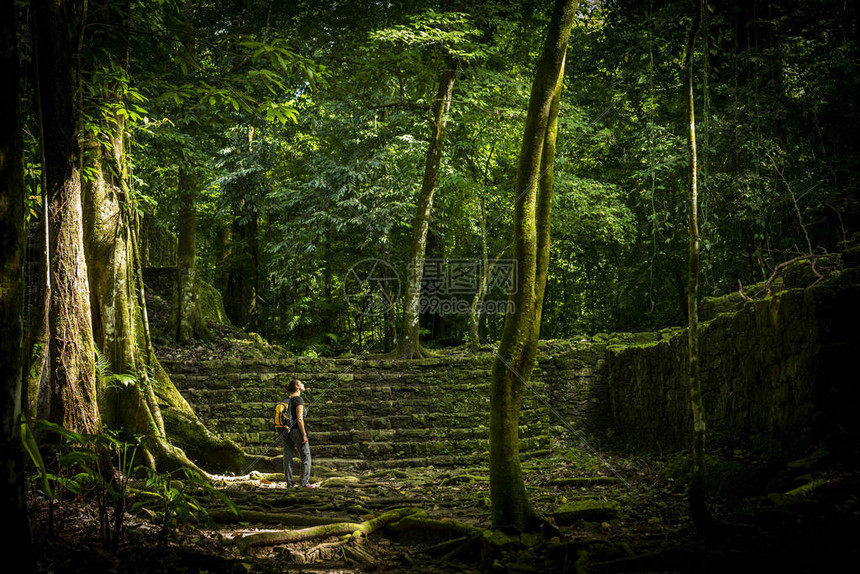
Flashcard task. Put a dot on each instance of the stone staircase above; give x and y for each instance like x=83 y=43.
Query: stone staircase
x=362 y=413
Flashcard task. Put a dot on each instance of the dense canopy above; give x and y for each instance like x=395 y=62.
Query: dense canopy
x=393 y=178
x=296 y=134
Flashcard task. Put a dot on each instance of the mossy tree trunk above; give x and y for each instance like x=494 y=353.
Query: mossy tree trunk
x=511 y=509
x=188 y=323
x=71 y=351
x=477 y=300
x=240 y=300
x=698 y=508
x=189 y=320
x=12 y=251
x=487 y=268
x=110 y=251
x=409 y=345
x=112 y=314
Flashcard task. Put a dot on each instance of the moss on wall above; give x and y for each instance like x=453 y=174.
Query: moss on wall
x=773 y=376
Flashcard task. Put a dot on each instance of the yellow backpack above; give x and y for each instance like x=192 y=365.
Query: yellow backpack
x=282 y=418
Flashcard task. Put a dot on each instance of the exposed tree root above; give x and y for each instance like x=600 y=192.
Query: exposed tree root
x=537 y=522
x=354 y=529
x=254 y=516
x=201 y=444
x=356 y=554
x=463 y=478
x=584 y=481
x=164 y=456
x=418 y=521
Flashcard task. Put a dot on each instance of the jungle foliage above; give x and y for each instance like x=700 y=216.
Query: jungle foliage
x=303 y=128
x=308 y=125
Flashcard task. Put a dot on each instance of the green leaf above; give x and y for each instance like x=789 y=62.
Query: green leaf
x=54 y=427
x=29 y=442
x=80 y=458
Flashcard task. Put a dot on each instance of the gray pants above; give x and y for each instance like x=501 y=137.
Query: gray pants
x=291 y=443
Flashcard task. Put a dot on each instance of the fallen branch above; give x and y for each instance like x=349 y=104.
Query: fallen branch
x=354 y=529
x=470 y=545
x=358 y=555
x=386 y=501
x=784 y=264
x=741 y=291
x=319 y=549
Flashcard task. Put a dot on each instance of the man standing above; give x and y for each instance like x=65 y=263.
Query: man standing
x=297 y=437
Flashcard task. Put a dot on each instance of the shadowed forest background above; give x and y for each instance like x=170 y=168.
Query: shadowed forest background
x=193 y=181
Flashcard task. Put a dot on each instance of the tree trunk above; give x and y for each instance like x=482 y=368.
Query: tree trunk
x=189 y=316
x=71 y=351
x=12 y=256
x=478 y=301
x=409 y=345
x=511 y=509
x=120 y=323
x=698 y=508
x=390 y=318
x=474 y=317
x=188 y=322
x=223 y=255
x=240 y=299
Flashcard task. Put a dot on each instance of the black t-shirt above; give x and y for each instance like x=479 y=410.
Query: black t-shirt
x=294 y=404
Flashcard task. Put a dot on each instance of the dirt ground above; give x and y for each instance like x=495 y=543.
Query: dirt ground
x=613 y=515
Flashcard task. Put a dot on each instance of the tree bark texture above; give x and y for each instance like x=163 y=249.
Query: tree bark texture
x=409 y=344
x=188 y=322
x=698 y=508
x=189 y=317
x=73 y=393
x=12 y=255
x=94 y=245
x=511 y=509
x=240 y=299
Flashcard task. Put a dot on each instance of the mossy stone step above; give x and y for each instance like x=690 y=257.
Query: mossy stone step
x=325 y=365
x=342 y=384
x=461 y=460
x=389 y=435
x=395 y=463
x=242 y=404
x=341 y=391
x=429 y=412
x=440 y=422
x=249 y=422
x=389 y=450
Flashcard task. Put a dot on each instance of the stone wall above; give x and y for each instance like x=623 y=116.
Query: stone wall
x=362 y=411
x=776 y=374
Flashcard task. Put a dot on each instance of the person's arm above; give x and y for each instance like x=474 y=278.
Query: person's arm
x=300 y=414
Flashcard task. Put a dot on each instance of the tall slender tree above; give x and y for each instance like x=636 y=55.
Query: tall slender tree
x=409 y=345
x=511 y=508
x=698 y=508
x=189 y=322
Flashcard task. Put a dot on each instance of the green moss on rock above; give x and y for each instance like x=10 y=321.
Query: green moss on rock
x=589 y=509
